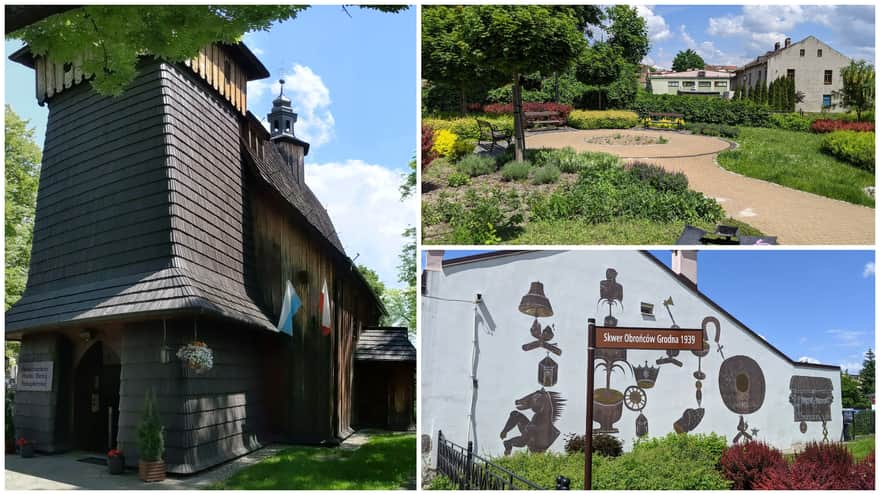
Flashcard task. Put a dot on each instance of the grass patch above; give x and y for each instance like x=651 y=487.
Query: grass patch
x=622 y=231
x=861 y=447
x=386 y=462
x=795 y=159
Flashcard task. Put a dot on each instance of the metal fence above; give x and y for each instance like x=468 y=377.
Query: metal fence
x=863 y=423
x=472 y=472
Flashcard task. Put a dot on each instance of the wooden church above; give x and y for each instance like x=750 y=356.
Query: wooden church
x=170 y=216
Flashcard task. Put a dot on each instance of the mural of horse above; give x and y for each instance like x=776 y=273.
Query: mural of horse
x=537 y=433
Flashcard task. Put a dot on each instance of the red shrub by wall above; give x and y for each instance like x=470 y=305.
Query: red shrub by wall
x=744 y=463
x=428 y=154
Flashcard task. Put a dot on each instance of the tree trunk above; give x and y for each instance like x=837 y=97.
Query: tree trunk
x=462 y=106
x=518 y=132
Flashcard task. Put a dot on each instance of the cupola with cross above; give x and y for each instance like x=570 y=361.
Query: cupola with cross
x=281 y=121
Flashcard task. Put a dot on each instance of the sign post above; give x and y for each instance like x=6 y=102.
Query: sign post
x=636 y=338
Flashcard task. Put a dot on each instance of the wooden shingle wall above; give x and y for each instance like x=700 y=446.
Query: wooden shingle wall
x=209 y=418
x=36 y=412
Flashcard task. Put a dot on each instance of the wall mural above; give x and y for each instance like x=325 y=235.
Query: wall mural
x=538 y=432
x=742 y=387
x=811 y=398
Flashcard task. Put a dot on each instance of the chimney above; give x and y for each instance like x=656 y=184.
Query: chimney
x=434 y=260
x=787 y=42
x=685 y=263
x=777 y=45
x=281 y=121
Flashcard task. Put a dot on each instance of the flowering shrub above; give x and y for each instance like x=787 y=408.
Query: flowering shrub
x=428 y=154
x=21 y=442
x=507 y=108
x=444 y=142
x=830 y=125
x=196 y=355
x=466 y=127
x=114 y=453
x=663 y=123
x=744 y=463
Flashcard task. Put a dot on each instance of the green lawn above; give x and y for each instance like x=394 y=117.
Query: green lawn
x=793 y=159
x=622 y=231
x=386 y=462
x=861 y=447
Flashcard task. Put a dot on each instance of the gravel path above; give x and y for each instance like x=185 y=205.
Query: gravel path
x=796 y=217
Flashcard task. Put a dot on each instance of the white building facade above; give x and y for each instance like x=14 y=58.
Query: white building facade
x=504 y=357
x=814 y=65
x=692 y=82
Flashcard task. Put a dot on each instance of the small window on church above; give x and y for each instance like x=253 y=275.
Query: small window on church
x=275 y=126
x=287 y=126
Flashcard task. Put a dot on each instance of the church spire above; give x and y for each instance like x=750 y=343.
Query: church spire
x=282 y=117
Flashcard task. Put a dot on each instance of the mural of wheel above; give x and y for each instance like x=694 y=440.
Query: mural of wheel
x=634 y=398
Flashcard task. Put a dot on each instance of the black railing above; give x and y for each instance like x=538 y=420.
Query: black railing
x=472 y=472
x=863 y=423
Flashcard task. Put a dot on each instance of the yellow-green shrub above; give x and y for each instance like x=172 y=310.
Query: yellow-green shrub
x=853 y=147
x=602 y=119
x=444 y=142
x=466 y=127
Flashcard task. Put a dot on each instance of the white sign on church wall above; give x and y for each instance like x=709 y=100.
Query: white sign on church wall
x=35 y=376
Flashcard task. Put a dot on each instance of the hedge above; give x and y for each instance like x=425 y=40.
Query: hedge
x=704 y=109
x=602 y=119
x=466 y=127
x=852 y=147
x=822 y=126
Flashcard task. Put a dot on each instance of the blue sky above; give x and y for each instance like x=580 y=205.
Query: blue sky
x=735 y=34
x=353 y=83
x=817 y=305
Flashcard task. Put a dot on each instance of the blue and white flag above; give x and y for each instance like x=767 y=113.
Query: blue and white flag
x=289 y=308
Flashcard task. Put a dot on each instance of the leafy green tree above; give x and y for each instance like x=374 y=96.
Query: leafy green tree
x=629 y=32
x=372 y=278
x=22 y=159
x=850 y=393
x=858 y=87
x=513 y=40
x=868 y=375
x=687 y=59
x=603 y=67
x=401 y=303
x=107 y=40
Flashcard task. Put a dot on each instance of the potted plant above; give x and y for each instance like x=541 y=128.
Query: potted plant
x=115 y=461
x=196 y=356
x=151 y=442
x=25 y=447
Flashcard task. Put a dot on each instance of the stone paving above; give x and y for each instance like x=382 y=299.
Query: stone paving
x=795 y=217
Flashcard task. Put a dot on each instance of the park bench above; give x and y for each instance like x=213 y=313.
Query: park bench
x=488 y=132
x=723 y=235
x=535 y=119
x=655 y=118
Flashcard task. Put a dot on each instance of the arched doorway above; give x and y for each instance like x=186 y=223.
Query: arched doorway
x=96 y=399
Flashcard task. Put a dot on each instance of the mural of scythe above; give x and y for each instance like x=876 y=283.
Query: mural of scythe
x=538 y=432
x=691 y=417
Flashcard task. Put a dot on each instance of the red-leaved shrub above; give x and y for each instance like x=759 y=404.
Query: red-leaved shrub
x=821 y=466
x=744 y=463
x=502 y=108
x=822 y=126
x=428 y=154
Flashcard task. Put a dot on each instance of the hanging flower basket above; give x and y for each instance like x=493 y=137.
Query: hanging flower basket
x=196 y=356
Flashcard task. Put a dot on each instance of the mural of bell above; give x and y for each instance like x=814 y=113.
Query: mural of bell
x=548 y=372
x=535 y=303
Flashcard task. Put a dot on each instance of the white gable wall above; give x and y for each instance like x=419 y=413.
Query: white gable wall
x=504 y=372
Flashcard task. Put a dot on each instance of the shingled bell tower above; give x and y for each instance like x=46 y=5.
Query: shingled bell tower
x=281 y=121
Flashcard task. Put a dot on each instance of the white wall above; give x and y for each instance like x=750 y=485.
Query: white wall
x=505 y=372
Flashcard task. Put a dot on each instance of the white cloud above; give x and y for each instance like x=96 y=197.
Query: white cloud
x=808 y=359
x=364 y=203
x=707 y=49
x=725 y=26
x=310 y=99
x=658 y=30
x=682 y=31
x=869 y=270
x=851 y=367
x=847 y=338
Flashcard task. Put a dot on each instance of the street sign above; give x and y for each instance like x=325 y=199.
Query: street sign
x=649 y=338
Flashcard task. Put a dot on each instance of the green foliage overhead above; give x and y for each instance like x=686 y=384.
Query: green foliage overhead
x=110 y=38
x=687 y=59
x=858 y=87
x=629 y=32
x=372 y=278
x=22 y=160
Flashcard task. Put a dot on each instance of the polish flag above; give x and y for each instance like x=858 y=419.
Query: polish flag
x=324 y=308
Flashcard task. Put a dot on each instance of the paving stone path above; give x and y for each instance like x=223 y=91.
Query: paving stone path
x=795 y=217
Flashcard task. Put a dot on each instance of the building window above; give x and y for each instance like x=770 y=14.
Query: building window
x=803 y=52
x=705 y=84
x=790 y=73
x=828 y=77
x=826 y=101
x=688 y=84
x=819 y=52
x=720 y=84
x=759 y=76
x=673 y=84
